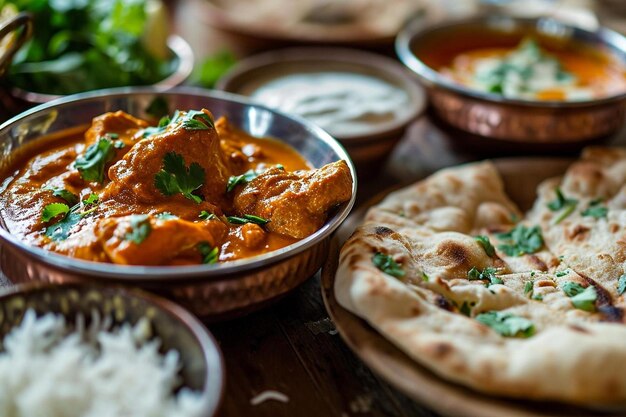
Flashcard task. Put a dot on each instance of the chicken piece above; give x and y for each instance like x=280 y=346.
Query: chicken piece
x=296 y=203
x=252 y=235
x=120 y=123
x=148 y=240
x=134 y=175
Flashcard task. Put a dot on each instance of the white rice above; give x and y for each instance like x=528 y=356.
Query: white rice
x=48 y=371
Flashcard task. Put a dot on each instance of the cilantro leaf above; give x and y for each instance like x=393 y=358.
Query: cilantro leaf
x=486 y=244
x=582 y=298
x=66 y=195
x=247 y=218
x=141 y=229
x=205 y=215
x=52 y=210
x=210 y=255
x=521 y=240
x=621 y=285
x=91 y=164
x=486 y=274
x=244 y=178
x=176 y=178
x=507 y=324
x=528 y=288
x=61 y=229
x=595 y=210
x=197 y=120
x=386 y=264
x=466 y=309
x=568 y=205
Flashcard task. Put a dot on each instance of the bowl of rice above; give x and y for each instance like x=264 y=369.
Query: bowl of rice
x=75 y=350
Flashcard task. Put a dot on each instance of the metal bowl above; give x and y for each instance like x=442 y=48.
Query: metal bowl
x=368 y=150
x=180 y=49
x=495 y=117
x=202 y=363
x=216 y=290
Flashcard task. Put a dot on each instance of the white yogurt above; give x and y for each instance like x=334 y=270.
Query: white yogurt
x=342 y=103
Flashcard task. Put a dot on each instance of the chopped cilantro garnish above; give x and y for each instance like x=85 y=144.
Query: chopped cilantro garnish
x=567 y=205
x=621 y=285
x=528 y=288
x=66 y=195
x=386 y=264
x=521 y=240
x=244 y=178
x=205 y=215
x=582 y=298
x=162 y=126
x=595 y=210
x=425 y=277
x=486 y=244
x=175 y=178
x=507 y=324
x=91 y=164
x=61 y=229
x=197 y=120
x=466 y=308
x=52 y=210
x=486 y=274
x=537 y=297
x=562 y=273
x=247 y=218
x=141 y=229
x=210 y=255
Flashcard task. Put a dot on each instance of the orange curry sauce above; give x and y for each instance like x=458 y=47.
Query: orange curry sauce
x=49 y=164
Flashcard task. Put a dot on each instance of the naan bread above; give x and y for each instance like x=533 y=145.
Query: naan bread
x=430 y=310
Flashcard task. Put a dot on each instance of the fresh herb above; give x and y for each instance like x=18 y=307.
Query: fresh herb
x=486 y=274
x=562 y=273
x=582 y=298
x=140 y=224
x=386 y=264
x=507 y=324
x=486 y=244
x=91 y=164
x=82 y=45
x=425 y=277
x=163 y=124
x=537 y=297
x=595 y=210
x=52 y=210
x=568 y=205
x=66 y=195
x=242 y=179
x=205 y=215
x=521 y=240
x=528 y=288
x=197 y=120
x=621 y=285
x=210 y=255
x=61 y=229
x=247 y=218
x=212 y=68
x=176 y=178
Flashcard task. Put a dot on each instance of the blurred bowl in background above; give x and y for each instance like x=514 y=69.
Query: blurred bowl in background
x=327 y=86
x=180 y=50
x=516 y=121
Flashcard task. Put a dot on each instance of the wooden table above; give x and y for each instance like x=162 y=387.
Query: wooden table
x=292 y=347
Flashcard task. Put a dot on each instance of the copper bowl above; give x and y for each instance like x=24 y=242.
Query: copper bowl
x=495 y=117
x=212 y=291
x=202 y=363
x=368 y=150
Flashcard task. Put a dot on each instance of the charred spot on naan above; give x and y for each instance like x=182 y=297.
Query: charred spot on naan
x=577 y=233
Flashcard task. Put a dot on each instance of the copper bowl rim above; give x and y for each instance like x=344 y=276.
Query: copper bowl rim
x=377 y=64
x=176 y=44
x=412 y=32
x=174 y=274
x=214 y=379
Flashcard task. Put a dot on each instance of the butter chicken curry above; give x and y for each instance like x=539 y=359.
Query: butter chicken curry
x=187 y=191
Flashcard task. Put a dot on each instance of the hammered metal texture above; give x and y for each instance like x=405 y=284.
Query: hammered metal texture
x=177 y=329
x=527 y=124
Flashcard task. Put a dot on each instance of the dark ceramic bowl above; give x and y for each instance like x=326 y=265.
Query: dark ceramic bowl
x=218 y=290
x=202 y=363
x=495 y=117
x=367 y=150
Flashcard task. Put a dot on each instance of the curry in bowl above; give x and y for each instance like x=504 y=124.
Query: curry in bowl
x=522 y=63
x=187 y=191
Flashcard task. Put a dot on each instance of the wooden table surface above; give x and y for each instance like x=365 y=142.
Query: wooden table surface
x=292 y=346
